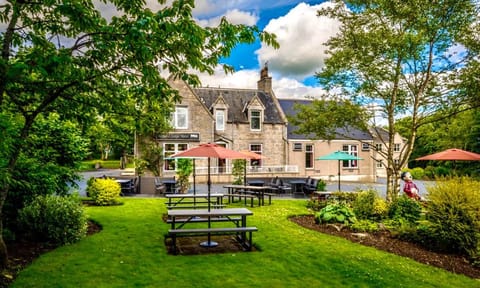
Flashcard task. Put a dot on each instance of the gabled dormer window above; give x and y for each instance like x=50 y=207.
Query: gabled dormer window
x=179 y=118
x=255 y=119
x=220 y=120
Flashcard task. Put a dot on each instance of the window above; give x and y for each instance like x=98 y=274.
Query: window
x=308 y=156
x=220 y=120
x=352 y=150
x=257 y=148
x=180 y=118
x=168 y=150
x=255 y=117
x=297 y=147
x=365 y=146
x=396 y=147
x=379 y=164
x=378 y=147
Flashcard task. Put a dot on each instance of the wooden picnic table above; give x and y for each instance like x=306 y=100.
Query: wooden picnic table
x=179 y=200
x=179 y=218
x=322 y=195
x=258 y=191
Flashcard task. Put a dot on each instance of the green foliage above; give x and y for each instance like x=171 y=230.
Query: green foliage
x=69 y=59
x=103 y=192
x=323 y=118
x=405 y=208
x=335 y=213
x=316 y=205
x=452 y=221
x=238 y=171
x=380 y=47
x=152 y=154
x=56 y=219
x=47 y=164
x=364 y=225
x=368 y=205
x=184 y=170
x=321 y=185
x=346 y=197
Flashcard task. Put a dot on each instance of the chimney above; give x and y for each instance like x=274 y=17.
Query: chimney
x=265 y=82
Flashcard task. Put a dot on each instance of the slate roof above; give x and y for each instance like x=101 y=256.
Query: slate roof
x=342 y=134
x=237 y=99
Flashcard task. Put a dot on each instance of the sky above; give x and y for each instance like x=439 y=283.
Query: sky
x=300 y=33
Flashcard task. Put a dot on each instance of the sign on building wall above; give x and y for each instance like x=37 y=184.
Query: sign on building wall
x=194 y=137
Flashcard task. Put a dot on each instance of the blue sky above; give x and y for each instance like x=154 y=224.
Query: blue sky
x=301 y=35
x=299 y=31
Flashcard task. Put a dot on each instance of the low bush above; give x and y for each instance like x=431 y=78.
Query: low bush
x=335 y=213
x=368 y=205
x=55 y=219
x=321 y=185
x=345 y=197
x=364 y=226
x=452 y=220
x=103 y=191
x=405 y=208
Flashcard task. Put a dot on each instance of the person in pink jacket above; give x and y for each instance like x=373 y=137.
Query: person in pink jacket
x=409 y=187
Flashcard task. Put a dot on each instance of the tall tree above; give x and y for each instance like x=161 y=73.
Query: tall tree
x=66 y=57
x=403 y=57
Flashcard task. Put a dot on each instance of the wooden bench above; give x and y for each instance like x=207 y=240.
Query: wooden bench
x=259 y=196
x=212 y=205
x=235 y=220
x=269 y=195
x=241 y=234
x=231 y=198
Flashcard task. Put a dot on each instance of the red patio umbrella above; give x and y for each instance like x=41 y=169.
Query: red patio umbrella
x=209 y=150
x=453 y=154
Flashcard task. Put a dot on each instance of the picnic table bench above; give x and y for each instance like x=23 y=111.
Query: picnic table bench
x=195 y=201
x=238 y=216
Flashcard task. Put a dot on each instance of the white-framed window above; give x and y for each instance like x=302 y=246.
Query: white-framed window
x=365 y=146
x=168 y=150
x=379 y=164
x=352 y=150
x=379 y=146
x=308 y=156
x=180 y=117
x=257 y=148
x=297 y=147
x=220 y=120
x=255 y=120
x=396 y=147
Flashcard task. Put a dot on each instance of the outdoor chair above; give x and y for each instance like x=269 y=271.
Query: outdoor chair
x=310 y=186
x=160 y=188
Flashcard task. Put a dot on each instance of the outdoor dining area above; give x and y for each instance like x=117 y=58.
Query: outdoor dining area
x=207 y=213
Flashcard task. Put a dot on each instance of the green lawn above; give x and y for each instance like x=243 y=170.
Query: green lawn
x=130 y=252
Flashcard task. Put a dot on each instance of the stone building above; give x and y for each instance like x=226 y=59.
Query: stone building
x=255 y=120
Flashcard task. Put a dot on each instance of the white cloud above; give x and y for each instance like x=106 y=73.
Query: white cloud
x=247 y=79
x=234 y=16
x=301 y=35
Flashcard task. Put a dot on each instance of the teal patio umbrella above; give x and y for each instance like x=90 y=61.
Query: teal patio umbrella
x=339 y=156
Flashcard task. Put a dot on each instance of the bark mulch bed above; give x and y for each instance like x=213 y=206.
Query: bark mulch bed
x=384 y=241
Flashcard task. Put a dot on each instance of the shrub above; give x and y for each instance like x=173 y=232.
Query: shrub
x=452 y=220
x=345 y=197
x=335 y=213
x=316 y=205
x=405 y=208
x=364 y=226
x=104 y=191
x=56 y=219
x=368 y=205
x=321 y=185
